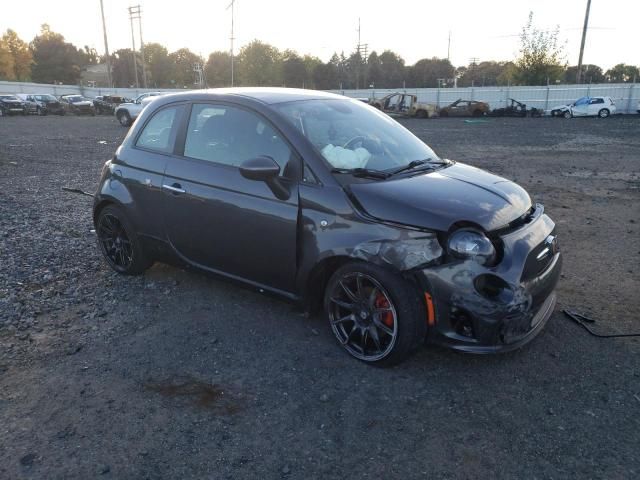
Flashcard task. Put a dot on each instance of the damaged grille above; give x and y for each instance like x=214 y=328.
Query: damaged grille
x=540 y=258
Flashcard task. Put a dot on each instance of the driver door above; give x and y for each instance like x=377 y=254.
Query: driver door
x=219 y=220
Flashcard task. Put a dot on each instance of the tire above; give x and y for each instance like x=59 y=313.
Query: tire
x=375 y=314
x=119 y=243
x=477 y=113
x=604 y=113
x=444 y=113
x=124 y=118
x=567 y=114
x=422 y=114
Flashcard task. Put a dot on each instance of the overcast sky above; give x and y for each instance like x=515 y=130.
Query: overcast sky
x=485 y=29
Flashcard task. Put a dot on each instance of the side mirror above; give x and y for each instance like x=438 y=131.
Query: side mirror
x=262 y=168
x=265 y=169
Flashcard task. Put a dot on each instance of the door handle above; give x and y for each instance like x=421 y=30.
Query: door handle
x=175 y=188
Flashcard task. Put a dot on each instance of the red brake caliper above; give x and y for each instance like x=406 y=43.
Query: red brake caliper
x=386 y=317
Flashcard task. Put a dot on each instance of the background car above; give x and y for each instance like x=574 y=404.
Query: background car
x=126 y=113
x=77 y=104
x=107 y=104
x=42 y=103
x=586 y=107
x=404 y=104
x=465 y=108
x=12 y=105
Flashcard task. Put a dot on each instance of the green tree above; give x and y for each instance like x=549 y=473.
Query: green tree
x=22 y=58
x=218 y=69
x=427 y=71
x=373 y=70
x=484 y=74
x=590 y=74
x=157 y=64
x=182 y=61
x=122 y=69
x=54 y=59
x=294 y=71
x=541 y=56
x=310 y=65
x=622 y=73
x=259 y=64
x=392 y=71
x=7 y=71
x=325 y=76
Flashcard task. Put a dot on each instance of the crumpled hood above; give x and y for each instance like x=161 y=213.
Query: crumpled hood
x=437 y=200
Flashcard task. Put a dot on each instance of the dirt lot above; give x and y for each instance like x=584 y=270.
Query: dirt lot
x=177 y=375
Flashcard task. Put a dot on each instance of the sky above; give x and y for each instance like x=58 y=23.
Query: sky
x=482 y=29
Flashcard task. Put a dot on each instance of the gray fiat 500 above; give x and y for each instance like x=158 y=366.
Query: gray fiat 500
x=328 y=202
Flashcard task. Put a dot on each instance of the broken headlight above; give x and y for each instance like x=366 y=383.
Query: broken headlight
x=472 y=244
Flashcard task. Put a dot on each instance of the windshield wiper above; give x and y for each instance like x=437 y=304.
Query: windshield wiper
x=362 y=172
x=429 y=163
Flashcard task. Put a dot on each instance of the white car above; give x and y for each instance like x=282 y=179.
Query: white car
x=126 y=113
x=586 y=107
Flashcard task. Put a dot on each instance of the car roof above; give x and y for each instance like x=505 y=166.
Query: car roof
x=266 y=95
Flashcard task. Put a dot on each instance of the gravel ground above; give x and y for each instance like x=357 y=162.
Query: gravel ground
x=177 y=375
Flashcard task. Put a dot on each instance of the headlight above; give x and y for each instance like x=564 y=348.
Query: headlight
x=472 y=244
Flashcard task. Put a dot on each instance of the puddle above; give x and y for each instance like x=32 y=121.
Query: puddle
x=209 y=396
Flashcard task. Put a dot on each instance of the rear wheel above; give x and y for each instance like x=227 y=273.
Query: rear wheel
x=119 y=243
x=477 y=113
x=374 y=313
x=567 y=114
x=124 y=118
x=604 y=113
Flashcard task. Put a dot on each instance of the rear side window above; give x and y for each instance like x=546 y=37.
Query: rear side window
x=156 y=134
x=230 y=135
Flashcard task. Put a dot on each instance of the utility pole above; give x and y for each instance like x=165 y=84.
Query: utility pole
x=232 y=38
x=449 y=47
x=135 y=13
x=584 y=36
x=363 y=53
x=133 y=47
x=106 y=46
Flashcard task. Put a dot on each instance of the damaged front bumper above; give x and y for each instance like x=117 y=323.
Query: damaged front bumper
x=482 y=309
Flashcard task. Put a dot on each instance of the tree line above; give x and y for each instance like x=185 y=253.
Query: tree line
x=48 y=58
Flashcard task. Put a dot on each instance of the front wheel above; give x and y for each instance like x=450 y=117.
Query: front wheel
x=119 y=243
x=422 y=114
x=567 y=114
x=124 y=118
x=374 y=313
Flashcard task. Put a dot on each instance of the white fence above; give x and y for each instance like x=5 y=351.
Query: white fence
x=57 y=90
x=626 y=95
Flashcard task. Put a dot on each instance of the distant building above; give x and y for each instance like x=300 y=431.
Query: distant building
x=95 y=76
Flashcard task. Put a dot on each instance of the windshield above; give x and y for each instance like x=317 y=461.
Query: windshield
x=45 y=98
x=349 y=134
x=76 y=98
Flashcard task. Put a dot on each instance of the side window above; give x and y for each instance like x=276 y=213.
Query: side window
x=156 y=134
x=230 y=135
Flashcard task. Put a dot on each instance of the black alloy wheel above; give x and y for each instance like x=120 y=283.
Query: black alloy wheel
x=119 y=244
x=374 y=314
